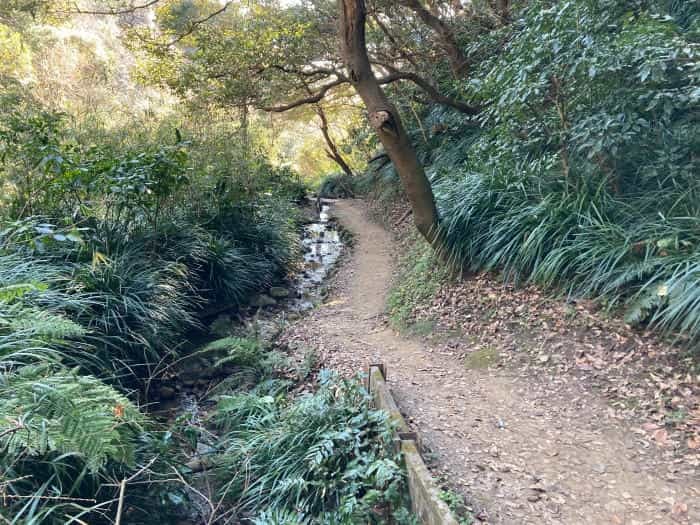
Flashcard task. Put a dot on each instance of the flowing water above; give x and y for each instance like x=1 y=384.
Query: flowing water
x=181 y=387
x=322 y=247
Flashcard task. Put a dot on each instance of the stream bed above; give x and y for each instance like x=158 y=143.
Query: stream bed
x=186 y=386
x=322 y=245
x=186 y=392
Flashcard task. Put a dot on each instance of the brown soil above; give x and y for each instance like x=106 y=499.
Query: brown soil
x=525 y=444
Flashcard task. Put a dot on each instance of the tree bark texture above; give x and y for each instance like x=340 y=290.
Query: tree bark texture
x=385 y=119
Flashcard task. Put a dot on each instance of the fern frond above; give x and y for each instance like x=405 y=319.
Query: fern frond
x=62 y=412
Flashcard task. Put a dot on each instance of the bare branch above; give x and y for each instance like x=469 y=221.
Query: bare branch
x=311 y=99
x=395 y=75
x=458 y=61
x=402 y=52
x=196 y=23
x=109 y=12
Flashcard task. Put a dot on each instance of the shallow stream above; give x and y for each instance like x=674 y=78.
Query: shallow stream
x=180 y=390
x=322 y=245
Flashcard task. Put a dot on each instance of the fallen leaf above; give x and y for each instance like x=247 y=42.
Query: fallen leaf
x=679 y=510
x=661 y=437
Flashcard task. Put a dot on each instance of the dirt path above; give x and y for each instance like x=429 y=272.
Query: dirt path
x=524 y=449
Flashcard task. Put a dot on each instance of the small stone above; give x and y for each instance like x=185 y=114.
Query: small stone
x=534 y=496
x=263 y=300
x=278 y=292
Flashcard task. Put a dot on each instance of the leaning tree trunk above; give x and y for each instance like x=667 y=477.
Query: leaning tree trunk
x=332 y=150
x=385 y=119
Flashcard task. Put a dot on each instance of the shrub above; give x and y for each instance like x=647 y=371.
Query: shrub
x=337 y=186
x=60 y=431
x=323 y=458
x=582 y=175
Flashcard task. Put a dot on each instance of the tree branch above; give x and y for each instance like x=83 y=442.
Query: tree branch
x=406 y=56
x=458 y=61
x=109 y=12
x=428 y=87
x=311 y=99
x=394 y=75
x=196 y=23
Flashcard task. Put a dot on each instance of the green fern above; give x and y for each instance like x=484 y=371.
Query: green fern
x=65 y=413
x=12 y=292
x=40 y=323
x=325 y=456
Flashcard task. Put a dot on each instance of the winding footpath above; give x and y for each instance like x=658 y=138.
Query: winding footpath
x=523 y=448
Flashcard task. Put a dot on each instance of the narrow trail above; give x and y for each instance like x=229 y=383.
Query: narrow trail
x=524 y=449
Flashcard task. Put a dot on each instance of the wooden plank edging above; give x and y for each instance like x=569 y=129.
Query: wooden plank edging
x=425 y=494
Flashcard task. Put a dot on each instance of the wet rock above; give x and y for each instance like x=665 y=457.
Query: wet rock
x=262 y=300
x=166 y=393
x=278 y=292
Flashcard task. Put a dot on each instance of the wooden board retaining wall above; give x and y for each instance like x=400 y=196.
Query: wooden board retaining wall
x=425 y=494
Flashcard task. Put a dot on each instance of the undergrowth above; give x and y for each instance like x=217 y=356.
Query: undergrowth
x=420 y=276
x=110 y=250
x=337 y=186
x=580 y=173
x=323 y=458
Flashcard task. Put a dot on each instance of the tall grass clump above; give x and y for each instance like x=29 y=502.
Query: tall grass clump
x=583 y=175
x=63 y=432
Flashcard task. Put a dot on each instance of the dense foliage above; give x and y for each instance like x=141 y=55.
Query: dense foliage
x=117 y=236
x=560 y=137
x=112 y=244
x=323 y=458
x=581 y=172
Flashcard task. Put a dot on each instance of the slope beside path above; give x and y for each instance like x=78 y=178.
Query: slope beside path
x=524 y=448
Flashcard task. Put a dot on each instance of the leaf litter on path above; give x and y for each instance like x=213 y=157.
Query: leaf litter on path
x=578 y=419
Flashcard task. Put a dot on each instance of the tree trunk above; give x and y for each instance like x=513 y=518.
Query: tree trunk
x=458 y=60
x=385 y=119
x=332 y=151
